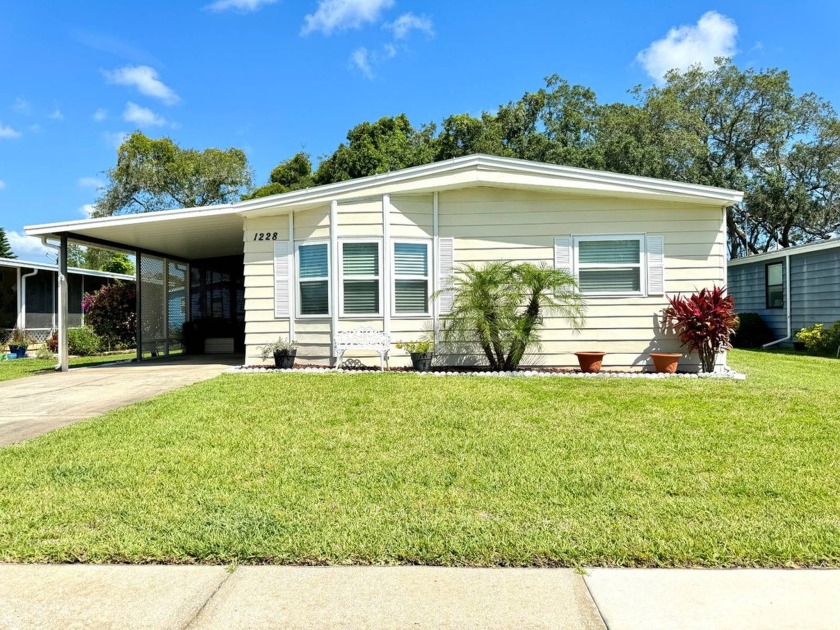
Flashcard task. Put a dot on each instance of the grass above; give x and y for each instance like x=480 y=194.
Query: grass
x=361 y=468
x=18 y=368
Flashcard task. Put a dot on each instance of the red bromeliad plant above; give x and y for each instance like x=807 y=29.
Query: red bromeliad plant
x=705 y=322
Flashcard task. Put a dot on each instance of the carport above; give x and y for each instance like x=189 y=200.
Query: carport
x=189 y=274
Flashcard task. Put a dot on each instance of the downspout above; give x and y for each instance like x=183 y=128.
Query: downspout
x=62 y=364
x=22 y=298
x=787 y=305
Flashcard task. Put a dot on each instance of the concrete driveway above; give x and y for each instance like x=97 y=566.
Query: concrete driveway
x=37 y=404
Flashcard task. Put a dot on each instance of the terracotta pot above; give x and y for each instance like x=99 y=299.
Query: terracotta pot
x=665 y=362
x=590 y=361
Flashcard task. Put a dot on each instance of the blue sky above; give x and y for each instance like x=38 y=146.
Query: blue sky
x=276 y=77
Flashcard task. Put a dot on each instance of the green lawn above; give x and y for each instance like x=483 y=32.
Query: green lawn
x=398 y=468
x=18 y=368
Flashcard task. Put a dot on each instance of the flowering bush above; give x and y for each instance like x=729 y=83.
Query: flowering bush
x=110 y=312
x=819 y=340
x=704 y=321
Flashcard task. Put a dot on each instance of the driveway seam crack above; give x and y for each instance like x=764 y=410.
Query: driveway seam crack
x=595 y=602
x=197 y=614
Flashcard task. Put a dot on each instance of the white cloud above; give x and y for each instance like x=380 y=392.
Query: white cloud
x=339 y=15
x=8 y=133
x=2 y=184
x=36 y=128
x=87 y=210
x=21 y=106
x=361 y=60
x=26 y=247
x=142 y=116
x=243 y=6
x=56 y=114
x=100 y=114
x=408 y=22
x=91 y=182
x=145 y=79
x=714 y=35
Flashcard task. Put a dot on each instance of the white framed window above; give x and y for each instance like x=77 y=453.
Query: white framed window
x=610 y=264
x=313 y=278
x=410 y=278
x=360 y=285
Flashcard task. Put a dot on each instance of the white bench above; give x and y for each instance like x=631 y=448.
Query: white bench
x=363 y=338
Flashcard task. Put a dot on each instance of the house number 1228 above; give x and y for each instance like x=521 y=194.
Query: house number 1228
x=265 y=236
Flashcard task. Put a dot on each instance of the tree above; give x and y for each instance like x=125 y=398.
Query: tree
x=293 y=174
x=5 y=247
x=155 y=175
x=99 y=259
x=500 y=306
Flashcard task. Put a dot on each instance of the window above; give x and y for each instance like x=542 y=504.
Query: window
x=411 y=278
x=610 y=265
x=314 y=279
x=360 y=277
x=775 y=285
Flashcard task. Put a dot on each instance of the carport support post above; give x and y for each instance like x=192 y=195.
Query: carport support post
x=63 y=344
x=138 y=328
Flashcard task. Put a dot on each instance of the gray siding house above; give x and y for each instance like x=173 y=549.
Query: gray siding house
x=790 y=288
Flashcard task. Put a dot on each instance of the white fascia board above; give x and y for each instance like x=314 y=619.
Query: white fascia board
x=25 y=264
x=46 y=229
x=787 y=251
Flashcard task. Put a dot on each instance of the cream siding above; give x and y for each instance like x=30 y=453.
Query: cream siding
x=492 y=224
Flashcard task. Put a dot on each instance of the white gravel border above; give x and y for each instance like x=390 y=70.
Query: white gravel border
x=720 y=374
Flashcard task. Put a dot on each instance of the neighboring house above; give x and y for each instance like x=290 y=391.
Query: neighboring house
x=790 y=288
x=28 y=295
x=371 y=252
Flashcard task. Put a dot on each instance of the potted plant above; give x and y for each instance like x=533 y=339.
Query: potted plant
x=422 y=352
x=284 y=353
x=590 y=361
x=18 y=342
x=705 y=322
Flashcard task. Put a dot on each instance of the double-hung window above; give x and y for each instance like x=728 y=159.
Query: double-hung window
x=411 y=278
x=360 y=278
x=313 y=278
x=774 y=285
x=610 y=265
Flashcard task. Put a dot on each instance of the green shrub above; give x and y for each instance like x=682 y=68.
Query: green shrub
x=821 y=340
x=752 y=331
x=83 y=341
x=110 y=312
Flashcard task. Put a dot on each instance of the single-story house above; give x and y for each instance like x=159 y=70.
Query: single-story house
x=789 y=288
x=28 y=295
x=372 y=251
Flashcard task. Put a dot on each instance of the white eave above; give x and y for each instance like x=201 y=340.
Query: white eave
x=203 y=232
x=786 y=251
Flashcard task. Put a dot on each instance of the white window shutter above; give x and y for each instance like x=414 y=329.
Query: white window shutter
x=282 y=267
x=446 y=274
x=655 y=265
x=563 y=254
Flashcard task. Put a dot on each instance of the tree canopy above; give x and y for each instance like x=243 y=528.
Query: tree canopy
x=99 y=259
x=155 y=175
x=723 y=126
x=5 y=247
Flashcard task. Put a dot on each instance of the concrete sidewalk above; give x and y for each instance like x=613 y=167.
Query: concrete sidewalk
x=113 y=596
x=37 y=404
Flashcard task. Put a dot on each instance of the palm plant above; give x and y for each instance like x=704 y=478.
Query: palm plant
x=501 y=306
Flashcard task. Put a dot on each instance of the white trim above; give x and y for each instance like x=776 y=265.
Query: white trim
x=641 y=265
x=333 y=286
x=480 y=166
x=359 y=239
x=292 y=275
x=429 y=243
x=386 y=298
x=787 y=251
x=298 y=245
x=434 y=259
x=24 y=264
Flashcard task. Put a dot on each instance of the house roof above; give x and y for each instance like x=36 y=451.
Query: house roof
x=28 y=264
x=787 y=251
x=193 y=233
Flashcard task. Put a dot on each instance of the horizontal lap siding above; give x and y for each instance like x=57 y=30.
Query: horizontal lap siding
x=412 y=216
x=520 y=226
x=747 y=286
x=815 y=288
